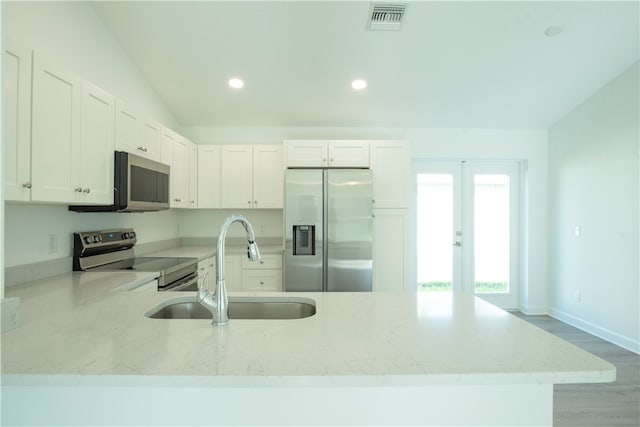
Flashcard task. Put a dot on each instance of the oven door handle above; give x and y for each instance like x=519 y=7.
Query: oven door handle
x=185 y=284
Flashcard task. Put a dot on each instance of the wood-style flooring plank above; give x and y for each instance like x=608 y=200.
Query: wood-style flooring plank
x=614 y=404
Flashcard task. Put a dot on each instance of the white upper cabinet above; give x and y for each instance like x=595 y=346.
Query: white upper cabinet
x=97 y=144
x=391 y=174
x=323 y=153
x=16 y=137
x=180 y=174
x=55 y=141
x=306 y=153
x=72 y=141
x=136 y=134
x=209 y=176
x=237 y=176
x=349 y=154
x=167 y=139
x=251 y=176
x=268 y=177
x=193 y=175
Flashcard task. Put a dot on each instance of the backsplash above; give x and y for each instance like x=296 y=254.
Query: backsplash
x=36 y=233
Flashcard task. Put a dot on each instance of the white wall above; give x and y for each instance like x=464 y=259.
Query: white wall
x=594 y=172
x=29 y=227
x=73 y=35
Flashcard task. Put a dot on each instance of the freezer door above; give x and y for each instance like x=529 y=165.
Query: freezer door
x=349 y=210
x=303 y=215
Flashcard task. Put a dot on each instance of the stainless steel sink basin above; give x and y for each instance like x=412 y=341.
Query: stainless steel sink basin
x=239 y=308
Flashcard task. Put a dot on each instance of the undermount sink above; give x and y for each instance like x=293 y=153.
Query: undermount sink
x=239 y=308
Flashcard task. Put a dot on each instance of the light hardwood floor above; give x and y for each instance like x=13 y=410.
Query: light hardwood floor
x=598 y=405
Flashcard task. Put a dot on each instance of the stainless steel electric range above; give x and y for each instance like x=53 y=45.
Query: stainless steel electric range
x=112 y=250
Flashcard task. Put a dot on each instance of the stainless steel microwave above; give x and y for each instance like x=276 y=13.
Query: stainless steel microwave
x=140 y=185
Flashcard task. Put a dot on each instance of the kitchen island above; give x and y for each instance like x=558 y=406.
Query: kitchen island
x=85 y=354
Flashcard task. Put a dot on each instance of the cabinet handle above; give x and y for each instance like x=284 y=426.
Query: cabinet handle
x=78 y=190
x=249 y=201
x=27 y=185
x=262 y=283
x=255 y=202
x=177 y=200
x=87 y=190
x=331 y=160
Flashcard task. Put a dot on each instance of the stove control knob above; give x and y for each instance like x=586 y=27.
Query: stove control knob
x=132 y=234
x=88 y=239
x=125 y=235
x=97 y=238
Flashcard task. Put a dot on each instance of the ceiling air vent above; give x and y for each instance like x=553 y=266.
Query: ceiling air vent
x=386 y=16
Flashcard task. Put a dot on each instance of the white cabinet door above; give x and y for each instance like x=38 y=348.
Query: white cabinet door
x=179 y=174
x=391 y=174
x=268 y=177
x=390 y=250
x=237 y=176
x=168 y=138
x=350 y=154
x=302 y=153
x=135 y=134
x=97 y=118
x=209 y=176
x=55 y=139
x=324 y=153
x=262 y=280
x=151 y=138
x=192 y=172
x=16 y=125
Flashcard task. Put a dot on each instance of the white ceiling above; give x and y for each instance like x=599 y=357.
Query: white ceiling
x=453 y=64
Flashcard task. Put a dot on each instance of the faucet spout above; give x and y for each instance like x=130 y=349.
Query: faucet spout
x=218 y=302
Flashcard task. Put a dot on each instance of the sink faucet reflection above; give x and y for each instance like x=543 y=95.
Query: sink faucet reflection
x=217 y=302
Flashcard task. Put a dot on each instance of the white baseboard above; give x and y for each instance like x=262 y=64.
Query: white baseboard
x=534 y=310
x=600 y=332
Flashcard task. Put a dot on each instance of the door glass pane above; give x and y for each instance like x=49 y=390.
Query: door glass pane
x=435 y=229
x=491 y=233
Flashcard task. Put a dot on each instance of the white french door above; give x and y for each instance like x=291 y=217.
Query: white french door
x=466 y=228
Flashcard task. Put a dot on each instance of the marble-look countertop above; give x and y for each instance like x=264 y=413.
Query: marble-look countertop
x=75 y=324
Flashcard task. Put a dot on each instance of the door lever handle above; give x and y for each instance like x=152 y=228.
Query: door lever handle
x=458 y=244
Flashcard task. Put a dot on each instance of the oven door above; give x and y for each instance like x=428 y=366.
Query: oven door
x=187 y=284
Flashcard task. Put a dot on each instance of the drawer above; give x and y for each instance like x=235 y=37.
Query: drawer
x=262 y=280
x=267 y=262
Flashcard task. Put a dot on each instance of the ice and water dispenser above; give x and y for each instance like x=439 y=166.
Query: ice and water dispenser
x=304 y=239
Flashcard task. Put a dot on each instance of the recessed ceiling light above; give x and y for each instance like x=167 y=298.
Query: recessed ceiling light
x=236 y=83
x=553 y=31
x=358 y=84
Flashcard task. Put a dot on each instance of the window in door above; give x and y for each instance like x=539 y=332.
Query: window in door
x=466 y=225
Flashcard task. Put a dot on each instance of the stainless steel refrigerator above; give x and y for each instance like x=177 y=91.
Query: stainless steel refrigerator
x=328 y=230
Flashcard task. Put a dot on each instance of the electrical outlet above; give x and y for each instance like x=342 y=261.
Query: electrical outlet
x=53 y=243
x=578 y=296
x=577 y=231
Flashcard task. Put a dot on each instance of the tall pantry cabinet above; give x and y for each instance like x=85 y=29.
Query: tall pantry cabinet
x=391 y=186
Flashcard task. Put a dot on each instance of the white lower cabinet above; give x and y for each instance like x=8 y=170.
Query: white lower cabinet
x=207 y=272
x=264 y=275
x=391 y=250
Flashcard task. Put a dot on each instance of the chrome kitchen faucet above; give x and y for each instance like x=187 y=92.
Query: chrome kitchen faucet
x=218 y=302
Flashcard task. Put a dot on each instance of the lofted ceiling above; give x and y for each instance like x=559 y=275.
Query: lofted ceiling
x=452 y=64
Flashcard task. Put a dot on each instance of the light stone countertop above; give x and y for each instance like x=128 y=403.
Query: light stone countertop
x=75 y=324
